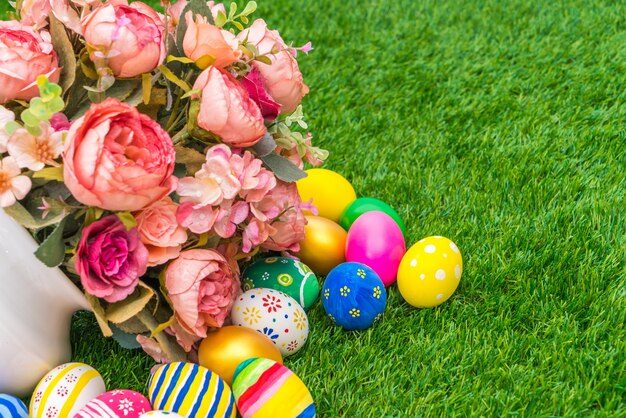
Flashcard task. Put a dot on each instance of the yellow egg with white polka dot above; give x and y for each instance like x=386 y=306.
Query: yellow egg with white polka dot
x=430 y=272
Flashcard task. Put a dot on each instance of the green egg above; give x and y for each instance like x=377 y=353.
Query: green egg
x=285 y=275
x=368 y=204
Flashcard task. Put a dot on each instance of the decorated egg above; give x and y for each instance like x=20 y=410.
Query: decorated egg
x=376 y=240
x=161 y=414
x=116 y=404
x=430 y=272
x=64 y=390
x=330 y=191
x=286 y=275
x=323 y=246
x=276 y=315
x=224 y=349
x=191 y=391
x=266 y=389
x=12 y=407
x=353 y=296
x=368 y=204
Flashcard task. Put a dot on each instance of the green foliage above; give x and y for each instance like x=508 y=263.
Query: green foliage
x=501 y=126
x=51 y=252
x=43 y=107
x=238 y=20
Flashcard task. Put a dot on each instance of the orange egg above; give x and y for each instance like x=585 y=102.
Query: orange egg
x=324 y=245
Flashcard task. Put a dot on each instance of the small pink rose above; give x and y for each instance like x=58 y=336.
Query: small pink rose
x=110 y=259
x=203 y=39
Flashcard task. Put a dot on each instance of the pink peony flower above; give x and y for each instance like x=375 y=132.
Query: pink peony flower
x=203 y=39
x=202 y=289
x=118 y=159
x=35 y=152
x=282 y=79
x=254 y=84
x=129 y=38
x=13 y=186
x=35 y=13
x=227 y=111
x=63 y=11
x=110 y=259
x=160 y=232
x=6 y=116
x=25 y=54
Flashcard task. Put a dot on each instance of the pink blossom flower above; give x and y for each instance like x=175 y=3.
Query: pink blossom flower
x=35 y=152
x=173 y=12
x=202 y=288
x=160 y=232
x=289 y=227
x=110 y=259
x=197 y=220
x=256 y=233
x=214 y=182
x=13 y=186
x=230 y=215
x=256 y=181
x=6 y=116
x=216 y=8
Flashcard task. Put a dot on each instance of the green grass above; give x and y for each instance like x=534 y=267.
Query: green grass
x=501 y=126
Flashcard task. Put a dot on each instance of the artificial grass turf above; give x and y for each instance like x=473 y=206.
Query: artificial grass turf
x=501 y=126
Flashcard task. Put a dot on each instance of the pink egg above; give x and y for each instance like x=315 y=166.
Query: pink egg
x=376 y=240
x=116 y=404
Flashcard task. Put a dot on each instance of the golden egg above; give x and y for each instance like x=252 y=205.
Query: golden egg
x=323 y=246
x=430 y=272
x=330 y=191
x=223 y=350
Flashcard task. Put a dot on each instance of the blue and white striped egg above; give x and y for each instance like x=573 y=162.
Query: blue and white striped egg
x=64 y=390
x=190 y=390
x=12 y=407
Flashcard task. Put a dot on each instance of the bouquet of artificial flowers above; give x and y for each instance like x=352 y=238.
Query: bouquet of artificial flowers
x=149 y=154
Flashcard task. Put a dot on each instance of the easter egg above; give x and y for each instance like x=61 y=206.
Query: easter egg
x=430 y=272
x=191 y=391
x=368 y=204
x=12 y=407
x=64 y=390
x=116 y=404
x=286 y=275
x=323 y=246
x=266 y=389
x=353 y=296
x=376 y=240
x=161 y=414
x=224 y=349
x=330 y=191
x=276 y=315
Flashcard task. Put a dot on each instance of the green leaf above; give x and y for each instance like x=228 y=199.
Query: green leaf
x=124 y=89
x=127 y=219
x=284 y=169
x=125 y=340
x=221 y=19
x=11 y=126
x=264 y=59
x=126 y=309
x=27 y=220
x=233 y=10
x=51 y=252
x=50 y=173
x=249 y=9
x=265 y=146
x=65 y=51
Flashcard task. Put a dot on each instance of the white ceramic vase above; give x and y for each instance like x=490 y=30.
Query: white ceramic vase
x=36 y=306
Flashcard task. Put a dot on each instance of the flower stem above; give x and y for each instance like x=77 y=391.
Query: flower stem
x=171 y=349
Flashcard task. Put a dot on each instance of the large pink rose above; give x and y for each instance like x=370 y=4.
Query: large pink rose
x=160 y=232
x=130 y=39
x=227 y=111
x=110 y=259
x=202 y=288
x=25 y=54
x=203 y=39
x=118 y=159
x=282 y=79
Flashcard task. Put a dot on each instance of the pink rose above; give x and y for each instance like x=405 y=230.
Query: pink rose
x=110 y=259
x=35 y=13
x=203 y=39
x=160 y=232
x=254 y=84
x=227 y=111
x=282 y=79
x=25 y=54
x=129 y=39
x=118 y=159
x=202 y=288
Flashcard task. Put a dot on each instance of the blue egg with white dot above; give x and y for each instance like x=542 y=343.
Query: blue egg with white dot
x=12 y=407
x=354 y=296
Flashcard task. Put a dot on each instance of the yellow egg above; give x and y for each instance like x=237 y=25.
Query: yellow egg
x=430 y=272
x=324 y=245
x=331 y=192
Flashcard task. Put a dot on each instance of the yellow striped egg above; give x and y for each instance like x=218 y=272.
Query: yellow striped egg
x=190 y=390
x=64 y=390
